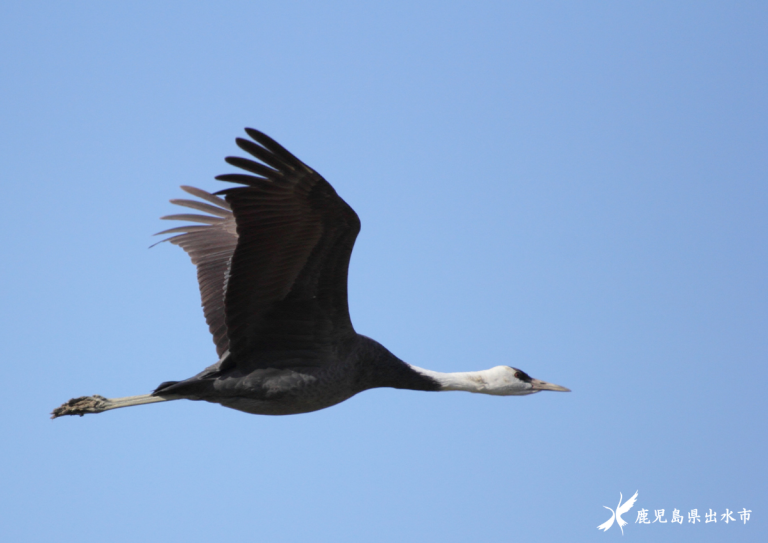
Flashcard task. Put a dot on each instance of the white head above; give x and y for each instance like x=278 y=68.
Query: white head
x=498 y=381
x=508 y=381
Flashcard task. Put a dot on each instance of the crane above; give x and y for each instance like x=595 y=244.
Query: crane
x=272 y=254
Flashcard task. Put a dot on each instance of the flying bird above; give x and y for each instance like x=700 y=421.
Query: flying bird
x=272 y=254
x=620 y=510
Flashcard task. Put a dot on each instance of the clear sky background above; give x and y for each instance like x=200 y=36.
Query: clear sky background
x=577 y=189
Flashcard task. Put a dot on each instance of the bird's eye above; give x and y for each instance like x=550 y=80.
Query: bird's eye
x=519 y=374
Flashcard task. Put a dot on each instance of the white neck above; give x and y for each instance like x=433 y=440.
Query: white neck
x=494 y=381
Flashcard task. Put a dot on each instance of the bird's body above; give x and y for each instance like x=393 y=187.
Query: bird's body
x=272 y=259
x=357 y=364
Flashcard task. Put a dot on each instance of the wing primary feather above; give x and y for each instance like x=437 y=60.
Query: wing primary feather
x=276 y=148
x=254 y=167
x=207 y=196
x=183 y=229
x=200 y=206
x=265 y=155
x=193 y=217
x=250 y=180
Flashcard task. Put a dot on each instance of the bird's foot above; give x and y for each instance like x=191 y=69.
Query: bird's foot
x=81 y=406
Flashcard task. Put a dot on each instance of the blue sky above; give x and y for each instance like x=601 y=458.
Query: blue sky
x=575 y=189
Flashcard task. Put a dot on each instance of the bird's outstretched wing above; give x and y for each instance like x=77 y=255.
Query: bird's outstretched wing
x=283 y=293
x=607 y=524
x=623 y=508
x=210 y=245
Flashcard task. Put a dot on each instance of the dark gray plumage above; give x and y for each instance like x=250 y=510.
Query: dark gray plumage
x=272 y=257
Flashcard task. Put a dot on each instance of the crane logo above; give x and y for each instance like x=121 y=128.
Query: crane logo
x=616 y=515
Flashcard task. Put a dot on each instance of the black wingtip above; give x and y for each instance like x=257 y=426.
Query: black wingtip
x=277 y=150
x=270 y=153
x=232 y=160
x=256 y=134
x=261 y=138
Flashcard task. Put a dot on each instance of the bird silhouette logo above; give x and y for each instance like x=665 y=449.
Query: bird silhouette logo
x=620 y=510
